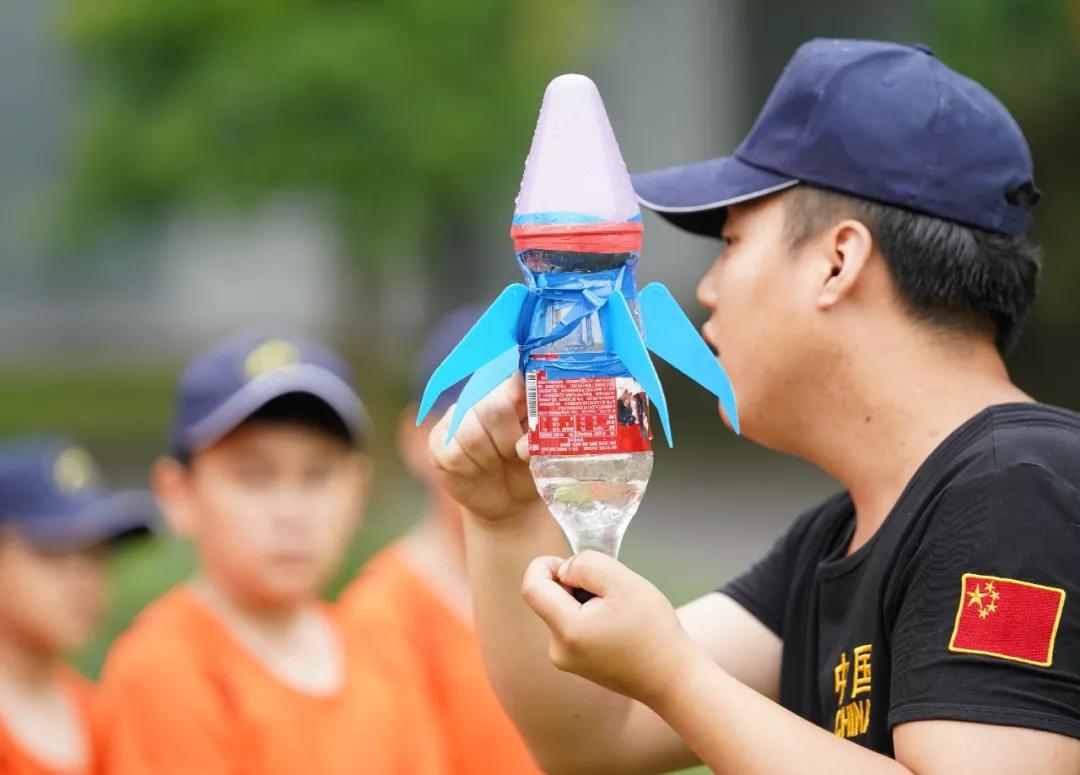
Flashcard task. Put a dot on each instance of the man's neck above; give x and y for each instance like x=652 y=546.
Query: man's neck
x=891 y=415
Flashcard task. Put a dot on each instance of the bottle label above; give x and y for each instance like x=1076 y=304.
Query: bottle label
x=586 y=415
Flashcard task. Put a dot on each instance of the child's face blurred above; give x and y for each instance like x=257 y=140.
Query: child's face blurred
x=52 y=599
x=271 y=508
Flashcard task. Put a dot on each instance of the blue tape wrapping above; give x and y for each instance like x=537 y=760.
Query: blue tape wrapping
x=605 y=305
x=578 y=365
x=564 y=218
x=587 y=292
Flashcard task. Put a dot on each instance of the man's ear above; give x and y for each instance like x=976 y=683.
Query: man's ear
x=849 y=245
x=169 y=480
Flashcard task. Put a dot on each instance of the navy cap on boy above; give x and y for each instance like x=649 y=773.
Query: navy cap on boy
x=52 y=495
x=227 y=383
x=876 y=120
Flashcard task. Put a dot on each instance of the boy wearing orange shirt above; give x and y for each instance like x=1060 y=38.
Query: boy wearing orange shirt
x=56 y=519
x=242 y=670
x=417 y=592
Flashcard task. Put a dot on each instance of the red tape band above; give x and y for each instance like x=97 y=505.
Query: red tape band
x=589 y=238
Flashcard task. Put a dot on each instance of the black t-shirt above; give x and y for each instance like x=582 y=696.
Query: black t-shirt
x=964 y=605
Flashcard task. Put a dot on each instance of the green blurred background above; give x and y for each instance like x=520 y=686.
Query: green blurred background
x=176 y=169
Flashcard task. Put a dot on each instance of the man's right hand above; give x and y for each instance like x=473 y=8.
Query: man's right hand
x=485 y=467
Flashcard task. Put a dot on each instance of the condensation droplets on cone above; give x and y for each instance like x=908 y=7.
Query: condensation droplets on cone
x=574 y=164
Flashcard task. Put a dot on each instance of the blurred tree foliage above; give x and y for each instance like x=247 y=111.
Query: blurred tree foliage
x=392 y=111
x=1028 y=54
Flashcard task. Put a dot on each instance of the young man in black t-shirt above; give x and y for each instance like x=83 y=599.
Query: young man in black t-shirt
x=927 y=619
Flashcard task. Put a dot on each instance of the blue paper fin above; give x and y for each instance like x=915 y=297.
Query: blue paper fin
x=623 y=339
x=490 y=336
x=483 y=381
x=671 y=335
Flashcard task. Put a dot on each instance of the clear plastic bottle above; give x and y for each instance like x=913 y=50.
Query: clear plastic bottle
x=590 y=435
x=593 y=497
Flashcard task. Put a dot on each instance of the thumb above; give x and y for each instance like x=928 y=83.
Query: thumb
x=591 y=571
x=522 y=448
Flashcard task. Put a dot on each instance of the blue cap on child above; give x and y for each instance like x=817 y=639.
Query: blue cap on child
x=227 y=383
x=52 y=495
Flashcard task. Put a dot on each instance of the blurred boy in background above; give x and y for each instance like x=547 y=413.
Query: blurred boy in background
x=56 y=519
x=243 y=670
x=416 y=592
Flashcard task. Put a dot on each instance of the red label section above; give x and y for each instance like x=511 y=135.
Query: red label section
x=587 y=415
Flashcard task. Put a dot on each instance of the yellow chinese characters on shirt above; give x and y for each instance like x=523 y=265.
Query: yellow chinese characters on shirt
x=852 y=680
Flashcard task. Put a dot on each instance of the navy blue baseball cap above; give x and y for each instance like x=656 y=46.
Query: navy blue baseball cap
x=52 y=495
x=876 y=120
x=227 y=383
x=443 y=337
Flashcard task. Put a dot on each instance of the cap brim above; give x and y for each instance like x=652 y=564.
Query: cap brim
x=694 y=197
x=108 y=519
x=299 y=378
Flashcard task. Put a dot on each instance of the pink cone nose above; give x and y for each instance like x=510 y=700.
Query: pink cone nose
x=575 y=173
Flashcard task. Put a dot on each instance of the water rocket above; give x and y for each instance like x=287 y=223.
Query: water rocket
x=576 y=198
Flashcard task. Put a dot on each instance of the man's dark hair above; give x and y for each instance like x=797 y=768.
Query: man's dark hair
x=299 y=410
x=946 y=273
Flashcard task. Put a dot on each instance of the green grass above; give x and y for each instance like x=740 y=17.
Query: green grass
x=89 y=404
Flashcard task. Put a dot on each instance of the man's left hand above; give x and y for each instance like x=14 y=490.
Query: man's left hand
x=627 y=638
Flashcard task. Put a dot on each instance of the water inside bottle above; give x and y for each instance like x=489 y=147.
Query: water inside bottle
x=594 y=497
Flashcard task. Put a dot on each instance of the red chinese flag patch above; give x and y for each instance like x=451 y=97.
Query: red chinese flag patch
x=1007 y=618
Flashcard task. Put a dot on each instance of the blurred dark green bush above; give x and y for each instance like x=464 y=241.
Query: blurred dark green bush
x=393 y=111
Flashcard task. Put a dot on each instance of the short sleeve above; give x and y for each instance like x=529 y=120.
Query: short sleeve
x=987 y=623
x=764 y=589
